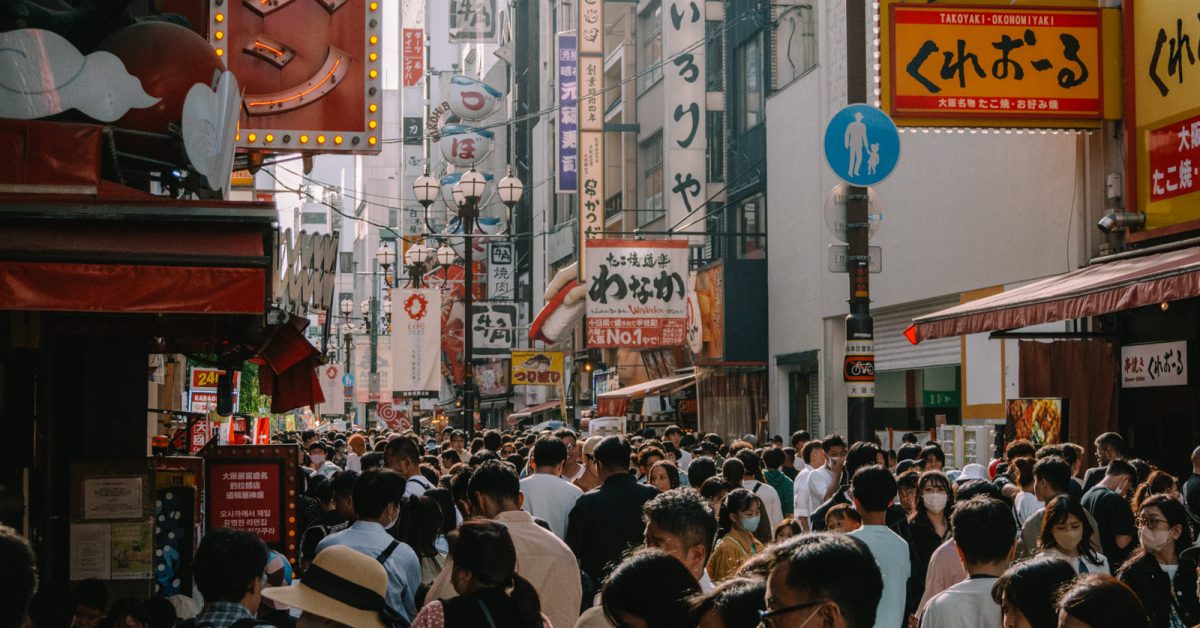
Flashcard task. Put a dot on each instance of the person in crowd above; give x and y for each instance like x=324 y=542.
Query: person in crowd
x=1159 y=482
x=18 y=578
x=789 y=463
x=1026 y=592
x=547 y=493
x=985 y=534
x=1098 y=601
x=420 y=527
x=664 y=476
x=343 y=588
x=874 y=489
x=647 y=457
x=607 y=521
x=1162 y=581
x=739 y=519
x=319 y=463
x=161 y=613
x=813 y=457
x=945 y=566
x=862 y=454
x=825 y=482
x=649 y=589
x=1026 y=502
x=785 y=490
x=786 y=529
x=90 y=599
x=128 y=612
x=1070 y=453
x=701 y=469
x=929 y=527
x=737 y=603
x=357 y=444
x=483 y=567
x=572 y=469
x=1109 y=446
x=228 y=571
x=1065 y=534
x=714 y=490
x=674 y=435
x=906 y=487
x=934 y=457
x=337 y=506
x=822 y=579
x=1052 y=478
x=450 y=516
x=1108 y=505
x=843 y=518
x=403 y=456
x=448 y=459
x=377 y=496
x=458 y=440
x=590 y=478
x=543 y=559
x=1191 y=492
x=680 y=523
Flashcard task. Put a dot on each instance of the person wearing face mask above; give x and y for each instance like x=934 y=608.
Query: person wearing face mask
x=1064 y=530
x=929 y=527
x=1114 y=518
x=318 y=456
x=377 y=496
x=824 y=483
x=1165 y=582
x=739 y=518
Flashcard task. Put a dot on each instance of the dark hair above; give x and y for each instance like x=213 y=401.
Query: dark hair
x=652 y=586
x=736 y=601
x=925 y=479
x=1056 y=512
x=874 y=488
x=495 y=479
x=1159 y=482
x=1054 y=471
x=459 y=484
x=909 y=437
x=613 y=453
x=736 y=501
x=841 y=511
x=1122 y=467
x=1020 y=448
x=752 y=462
x=773 y=458
x=342 y=483
x=319 y=488
x=974 y=488
x=935 y=451
x=700 y=470
x=714 y=486
x=788 y=523
x=835 y=567
x=376 y=489
x=402 y=448
x=861 y=454
x=549 y=451
x=452 y=455
x=909 y=451
x=420 y=523
x=481 y=456
x=831 y=441
x=18 y=578
x=1031 y=587
x=1022 y=469
x=128 y=607
x=1175 y=514
x=685 y=514
x=486 y=549
x=671 y=469
x=445 y=502
x=1111 y=440
x=806 y=452
x=648 y=453
x=1100 y=600
x=305 y=435
x=984 y=530
x=492 y=440
x=800 y=436
x=161 y=613
x=92 y=593
x=227 y=564
x=733 y=471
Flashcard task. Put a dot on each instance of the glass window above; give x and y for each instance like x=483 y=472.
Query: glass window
x=650 y=51
x=714 y=55
x=650 y=163
x=612 y=206
x=715 y=128
x=752 y=238
x=751 y=101
x=795 y=43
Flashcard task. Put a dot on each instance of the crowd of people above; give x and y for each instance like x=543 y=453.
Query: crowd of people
x=536 y=530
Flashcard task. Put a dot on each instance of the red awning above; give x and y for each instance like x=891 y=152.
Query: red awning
x=1098 y=289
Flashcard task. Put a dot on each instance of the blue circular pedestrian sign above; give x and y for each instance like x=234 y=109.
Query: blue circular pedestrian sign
x=347 y=380
x=862 y=145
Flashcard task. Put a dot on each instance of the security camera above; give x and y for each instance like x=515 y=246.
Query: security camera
x=1117 y=221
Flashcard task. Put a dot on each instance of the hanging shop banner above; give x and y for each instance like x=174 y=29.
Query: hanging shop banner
x=202 y=431
x=568 y=115
x=501 y=270
x=537 y=368
x=637 y=293
x=1153 y=365
x=472 y=21
x=247 y=488
x=416 y=342
x=367 y=387
x=591 y=27
x=492 y=378
x=493 y=327
x=999 y=65
x=685 y=139
x=413 y=56
x=1166 y=115
x=330 y=376
x=471 y=99
x=591 y=185
x=202 y=389
x=590 y=148
x=464 y=145
x=304 y=272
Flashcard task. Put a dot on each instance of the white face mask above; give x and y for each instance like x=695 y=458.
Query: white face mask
x=935 y=502
x=317 y=458
x=1154 y=540
x=394 y=520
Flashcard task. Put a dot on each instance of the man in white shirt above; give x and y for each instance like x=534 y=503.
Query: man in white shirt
x=764 y=491
x=403 y=457
x=985 y=533
x=545 y=494
x=680 y=523
x=572 y=468
x=823 y=482
x=674 y=434
x=813 y=457
x=874 y=489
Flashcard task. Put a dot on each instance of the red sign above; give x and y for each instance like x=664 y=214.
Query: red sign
x=201 y=432
x=1174 y=159
x=859 y=368
x=245 y=496
x=536 y=377
x=413 y=51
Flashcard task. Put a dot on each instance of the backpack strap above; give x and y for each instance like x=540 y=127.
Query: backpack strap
x=757 y=485
x=385 y=554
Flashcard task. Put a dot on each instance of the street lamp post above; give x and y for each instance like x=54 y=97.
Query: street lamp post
x=347 y=308
x=384 y=257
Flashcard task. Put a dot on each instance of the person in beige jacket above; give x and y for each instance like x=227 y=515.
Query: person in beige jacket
x=542 y=558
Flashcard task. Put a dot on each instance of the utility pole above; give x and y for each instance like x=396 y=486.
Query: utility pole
x=373 y=325
x=467 y=217
x=860 y=332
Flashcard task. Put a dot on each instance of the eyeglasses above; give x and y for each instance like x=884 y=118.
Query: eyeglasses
x=1149 y=522
x=770 y=618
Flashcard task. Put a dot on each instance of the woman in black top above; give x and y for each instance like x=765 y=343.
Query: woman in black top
x=929 y=527
x=1165 y=584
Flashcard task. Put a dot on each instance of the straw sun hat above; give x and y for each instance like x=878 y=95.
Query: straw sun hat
x=342 y=585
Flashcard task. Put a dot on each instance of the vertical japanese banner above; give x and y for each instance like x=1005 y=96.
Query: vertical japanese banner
x=413 y=57
x=637 y=293
x=416 y=343
x=501 y=271
x=568 y=115
x=493 y=328
x=362 y=366
x=590 y=59
x=685 y=139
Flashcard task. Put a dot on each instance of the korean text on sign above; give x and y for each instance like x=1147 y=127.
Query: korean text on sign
x=637 y=293
x=246 y=497
x=995 y=62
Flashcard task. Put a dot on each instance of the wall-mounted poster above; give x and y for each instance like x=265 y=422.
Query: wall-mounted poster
x=1040 y=421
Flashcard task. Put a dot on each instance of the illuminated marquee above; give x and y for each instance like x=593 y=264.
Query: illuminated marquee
x=311 y=70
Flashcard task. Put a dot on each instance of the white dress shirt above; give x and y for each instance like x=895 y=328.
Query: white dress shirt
x=550 y=498
x=769 y=497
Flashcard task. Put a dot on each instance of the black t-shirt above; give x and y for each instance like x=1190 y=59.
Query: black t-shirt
x=1115 y=517
x=1191 y=498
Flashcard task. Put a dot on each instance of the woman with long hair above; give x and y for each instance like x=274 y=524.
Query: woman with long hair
x=490 y=592
x=420 y=526
x=1097 y=600
x=714 y=490
x=664 y=476
x=1065 y=533
x=1027 y=590
x=1159 y=482
x=928 y=527
x=1165 y=584
x=741 y=513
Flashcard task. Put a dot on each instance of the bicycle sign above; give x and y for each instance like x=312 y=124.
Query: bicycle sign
x=859 y=368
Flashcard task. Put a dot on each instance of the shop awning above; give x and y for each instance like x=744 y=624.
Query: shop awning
x=665 y=385
x=1098 y=289
x=532 y=410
